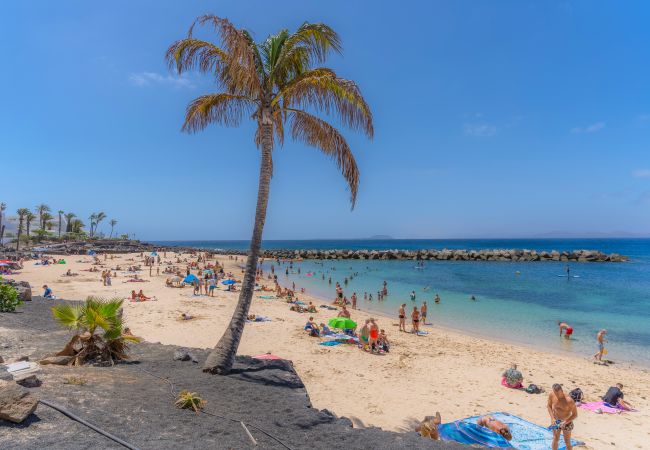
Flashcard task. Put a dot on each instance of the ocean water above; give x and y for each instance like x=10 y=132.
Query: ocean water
x=519 y=302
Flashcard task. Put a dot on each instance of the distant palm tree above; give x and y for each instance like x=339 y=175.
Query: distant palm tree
x=60 y=212
x=47 y=221
x=93 y=219
x=41 y=210
x=112 y=223
x=275 y=84
x=77 y=226
x=68 y=221
x=3 y=206
x=29 y=217
x=22 y=212
x=100 y=216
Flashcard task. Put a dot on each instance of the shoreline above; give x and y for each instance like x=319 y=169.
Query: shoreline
x=446 y=370
x=477 y=334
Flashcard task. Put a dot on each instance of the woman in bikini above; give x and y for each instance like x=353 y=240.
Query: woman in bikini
x=497 y=426
x=415 y=318
x=402 y=317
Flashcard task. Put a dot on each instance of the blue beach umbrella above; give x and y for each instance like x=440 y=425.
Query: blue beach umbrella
x=227 y=282
x=153 y=254
x=190 y=278
x=92 y=252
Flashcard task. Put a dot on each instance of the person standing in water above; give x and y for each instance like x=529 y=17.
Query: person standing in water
x=600 y=337
x=568 y=271
x=412 y=296
x=568 y=330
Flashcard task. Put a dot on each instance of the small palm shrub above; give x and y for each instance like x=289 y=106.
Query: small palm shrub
x=100 y=335
x=190 y=400
x=8 y=298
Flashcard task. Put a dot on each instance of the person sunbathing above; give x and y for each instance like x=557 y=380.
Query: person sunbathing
x=497 y=426
x=143 y=297
x=311 y=307
x=134 y=296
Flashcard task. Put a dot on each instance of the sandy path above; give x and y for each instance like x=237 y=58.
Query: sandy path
x=444 y=371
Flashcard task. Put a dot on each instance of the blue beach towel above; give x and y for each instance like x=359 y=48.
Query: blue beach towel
x=525 y=435
x=329 y=343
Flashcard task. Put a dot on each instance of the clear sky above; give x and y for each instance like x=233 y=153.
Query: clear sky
x=492 y=118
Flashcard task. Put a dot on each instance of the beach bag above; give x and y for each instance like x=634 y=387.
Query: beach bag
x=576 y=395
x=533 y=389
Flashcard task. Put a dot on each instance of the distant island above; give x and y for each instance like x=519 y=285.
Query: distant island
x=380 y=236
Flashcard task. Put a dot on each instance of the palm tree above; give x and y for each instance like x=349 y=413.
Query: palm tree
x=112 y=223
x=29 y=217
x=22 y=212
x=100 y=216
x=77 y=226
x=275 y=83
x=93 y=218
x=3 y=206
x=41 y=210
x=47 y=221
x=60 y=212
x=68 y=221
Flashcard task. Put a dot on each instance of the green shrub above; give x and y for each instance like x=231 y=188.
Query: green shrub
x=8 y=298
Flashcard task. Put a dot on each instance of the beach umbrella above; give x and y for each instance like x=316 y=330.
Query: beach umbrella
x=227 y=282
x=190 y=278
x=153 y=254
x=92 y=252
x=267 y=356
x=342 y=323
x=4 y=264
x=176 y=279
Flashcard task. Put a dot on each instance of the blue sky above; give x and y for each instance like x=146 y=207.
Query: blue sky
x=493 y=119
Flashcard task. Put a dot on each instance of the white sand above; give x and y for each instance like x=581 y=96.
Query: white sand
x=445 y=371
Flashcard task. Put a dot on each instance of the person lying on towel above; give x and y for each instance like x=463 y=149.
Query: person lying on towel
x=497 y=426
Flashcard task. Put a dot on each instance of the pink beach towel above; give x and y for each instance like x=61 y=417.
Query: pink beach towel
x=505 y=383
x=606 y=409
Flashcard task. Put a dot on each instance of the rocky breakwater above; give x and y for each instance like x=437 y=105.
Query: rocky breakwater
x=518 y=255
x=97 y=245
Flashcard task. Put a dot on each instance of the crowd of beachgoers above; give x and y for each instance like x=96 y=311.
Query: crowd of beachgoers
x=206 y=285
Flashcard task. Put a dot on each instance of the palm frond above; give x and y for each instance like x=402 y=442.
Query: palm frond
x=240 y=66
x=223 y=108
x=320 y=134
x=321 y=89
x=68 y=315
x=195 y=54
x=317 y=39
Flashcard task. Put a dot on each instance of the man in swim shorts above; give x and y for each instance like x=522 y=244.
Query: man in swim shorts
x=566 y=328
x=423 y=313
x=497 y=426
x=600 y=338
x=563 y=411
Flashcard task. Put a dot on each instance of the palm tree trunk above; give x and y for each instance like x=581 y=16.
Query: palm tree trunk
x=222 y=357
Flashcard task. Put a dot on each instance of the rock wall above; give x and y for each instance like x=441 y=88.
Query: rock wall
x=519 y=255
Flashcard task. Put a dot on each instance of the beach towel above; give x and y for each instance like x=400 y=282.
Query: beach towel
x=422 y=333
x=329 y=343
x=606 y=408
x=267 y=297
x=505 y=383
x=525 y=435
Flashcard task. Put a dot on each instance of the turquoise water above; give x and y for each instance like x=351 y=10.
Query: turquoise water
x=520 y=308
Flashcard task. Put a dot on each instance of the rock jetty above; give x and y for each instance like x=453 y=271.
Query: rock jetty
x=518 y=255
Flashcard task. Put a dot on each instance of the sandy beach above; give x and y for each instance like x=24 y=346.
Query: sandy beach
x=446 y=371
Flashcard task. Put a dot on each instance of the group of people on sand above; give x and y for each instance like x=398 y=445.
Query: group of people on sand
x=140 y=297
